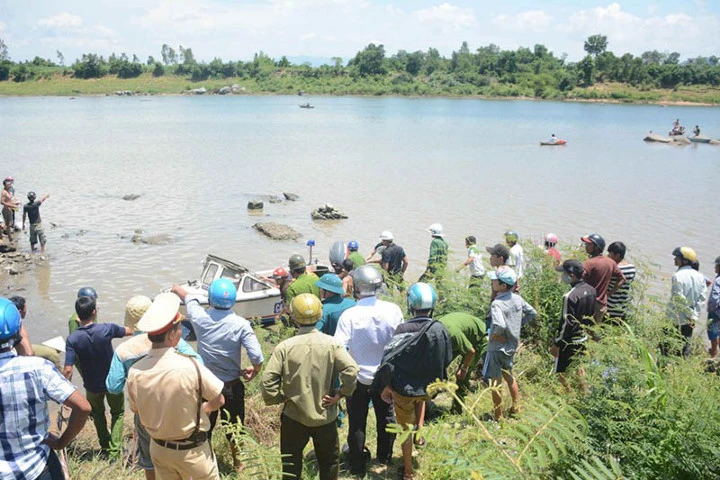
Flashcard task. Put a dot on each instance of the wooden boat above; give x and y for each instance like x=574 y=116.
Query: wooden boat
x=306 y=105
x=553 y=144
x=700 y=139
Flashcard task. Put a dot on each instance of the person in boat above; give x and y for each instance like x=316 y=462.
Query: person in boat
x=676 y=124
x=553 y=138
x=696 y=130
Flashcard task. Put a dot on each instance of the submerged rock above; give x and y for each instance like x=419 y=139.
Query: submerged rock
x=162 y=239
x=327 y=212
x=131 y=196
x=255 y=205
x=277 y=231
x=274 y=199
x=290 y=196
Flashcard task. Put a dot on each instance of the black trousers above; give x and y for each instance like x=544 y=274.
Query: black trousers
x=358 y=405
x=293 y=438
x=233 y=411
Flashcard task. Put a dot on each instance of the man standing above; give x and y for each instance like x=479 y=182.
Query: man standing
x=221 y=336
x=173 y=395
x=31 y=210
x=125 y=357
x=687 y=295
x=334 y=302
x=364 y=330
x=473 y=262
x=394 y=261
x=577 y=312
x=437 y=260
x=300 y=374
x=600 y=271
x=9 y=205
x=516 y=260
x=26 y=385
x=92 y=345
x=418 y=354
x=618 y=301
x=508 y=313
x=304 y=281
x=467 y=335
x=354 y=255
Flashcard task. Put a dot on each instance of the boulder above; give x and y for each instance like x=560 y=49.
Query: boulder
x=199 y=91
x=290 y=196
x=255 y=205
x=131 y=196
x=225 y=90
x=277 y=231
x=236 y=88
x=274 y=199
x=327 y=212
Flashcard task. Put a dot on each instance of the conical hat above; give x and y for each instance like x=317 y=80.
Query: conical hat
x=57 y=343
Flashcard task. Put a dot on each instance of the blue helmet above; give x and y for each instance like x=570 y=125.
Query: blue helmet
x=87 y=292
x=9 y=322
x=353 y=246
x=222 y=293
x=421 y=296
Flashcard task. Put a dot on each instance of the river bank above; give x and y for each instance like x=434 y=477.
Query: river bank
x=146 y=84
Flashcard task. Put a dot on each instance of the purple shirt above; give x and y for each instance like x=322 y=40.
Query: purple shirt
x=92 y=346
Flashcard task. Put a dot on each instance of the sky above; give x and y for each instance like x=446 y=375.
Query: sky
x=317 y=30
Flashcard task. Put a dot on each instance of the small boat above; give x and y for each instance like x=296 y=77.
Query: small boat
x=306 y=105
x=553 y=144
x=654 y=137
x=700 y=139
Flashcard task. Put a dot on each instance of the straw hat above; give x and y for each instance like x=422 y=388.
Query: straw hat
x=135 y=309
x=161 y=315
x=56 y=343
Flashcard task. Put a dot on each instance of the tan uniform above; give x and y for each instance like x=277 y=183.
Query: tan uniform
x=163 y=391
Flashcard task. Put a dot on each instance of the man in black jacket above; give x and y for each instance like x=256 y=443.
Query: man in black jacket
x=577 y=313
x=418 y=354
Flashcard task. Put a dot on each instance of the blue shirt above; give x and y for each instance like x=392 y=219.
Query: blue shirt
x=26 y=384
x=92 y=345
x=130 y=352
x=221 y=334
x=333 y=307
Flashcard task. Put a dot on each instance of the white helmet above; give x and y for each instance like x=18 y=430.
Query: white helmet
x=386 y=235
x=435 y=230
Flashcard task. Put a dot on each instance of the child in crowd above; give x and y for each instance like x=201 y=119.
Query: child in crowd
x=508 y=312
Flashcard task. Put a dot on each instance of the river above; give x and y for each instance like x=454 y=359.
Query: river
x=389 y=163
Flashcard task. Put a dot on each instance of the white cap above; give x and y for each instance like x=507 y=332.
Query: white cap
x=435 y=230
x=57 y=343
x=386 y=235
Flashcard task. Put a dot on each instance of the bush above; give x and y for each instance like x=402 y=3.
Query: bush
x=130 y=70
x=5 y=70
x=158 y=70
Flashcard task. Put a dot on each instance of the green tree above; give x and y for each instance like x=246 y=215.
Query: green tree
x=90 y=65
x=3 y=50
x=596 y=44
x=168 y=55
x=158 y=70
x=369 y=61
x=586 y=69
x=415 y=62
x=60 y=57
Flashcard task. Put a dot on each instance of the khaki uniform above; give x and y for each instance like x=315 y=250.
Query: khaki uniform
x=163 y=391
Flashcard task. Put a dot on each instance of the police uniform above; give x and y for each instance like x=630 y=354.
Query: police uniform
x=166 y=389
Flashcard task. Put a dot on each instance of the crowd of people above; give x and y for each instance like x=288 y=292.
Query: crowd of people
x=349 y=344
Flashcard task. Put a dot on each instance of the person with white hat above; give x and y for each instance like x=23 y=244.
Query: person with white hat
x=437 y=260
x=125 y=356
x=394 y=261
x=173 y=395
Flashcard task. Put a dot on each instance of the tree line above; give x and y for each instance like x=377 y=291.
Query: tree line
x=537 y=71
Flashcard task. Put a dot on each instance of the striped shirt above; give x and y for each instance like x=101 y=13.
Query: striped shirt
x=618 y=302
x=26 y=384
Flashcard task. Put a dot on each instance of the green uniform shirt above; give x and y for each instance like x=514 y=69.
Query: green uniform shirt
x=466 y=332
x=357 y=259
x=438 y=254
x=48 y=353
x=301 y=372
x=305 y=283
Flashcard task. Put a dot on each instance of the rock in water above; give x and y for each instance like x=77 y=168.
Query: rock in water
x=131 y=197
x=274 y=199
x=277 y=231
x=290 y=196
x=327 y=212
x=255 y=205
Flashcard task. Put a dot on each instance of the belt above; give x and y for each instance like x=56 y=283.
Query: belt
x=199 y=440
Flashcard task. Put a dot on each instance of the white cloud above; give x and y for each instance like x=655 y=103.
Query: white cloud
x=532 y=20
x=61 y=21
x=308 y=36
x=3 y=28
x=447 y=15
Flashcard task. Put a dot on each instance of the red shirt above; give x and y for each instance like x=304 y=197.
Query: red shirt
x=598 y=271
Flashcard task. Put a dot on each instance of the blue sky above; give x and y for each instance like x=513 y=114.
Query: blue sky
x=320 y=29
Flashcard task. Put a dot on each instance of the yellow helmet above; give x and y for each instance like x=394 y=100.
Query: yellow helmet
x=685 y=252
x=306 y=309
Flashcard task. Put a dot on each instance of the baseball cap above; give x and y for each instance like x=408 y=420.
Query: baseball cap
x=571 y=266
x=504 y=274
x=500 y=250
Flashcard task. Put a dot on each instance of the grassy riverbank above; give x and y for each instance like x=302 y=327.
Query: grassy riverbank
x=55 y=84
x=644 y=416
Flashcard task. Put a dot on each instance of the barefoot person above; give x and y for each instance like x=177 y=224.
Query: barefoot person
x=31 y=211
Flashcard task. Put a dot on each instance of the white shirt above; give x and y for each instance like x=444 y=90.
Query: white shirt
x=687 y=295
x=364 y=330
x=477 y=269
x=516 y=259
